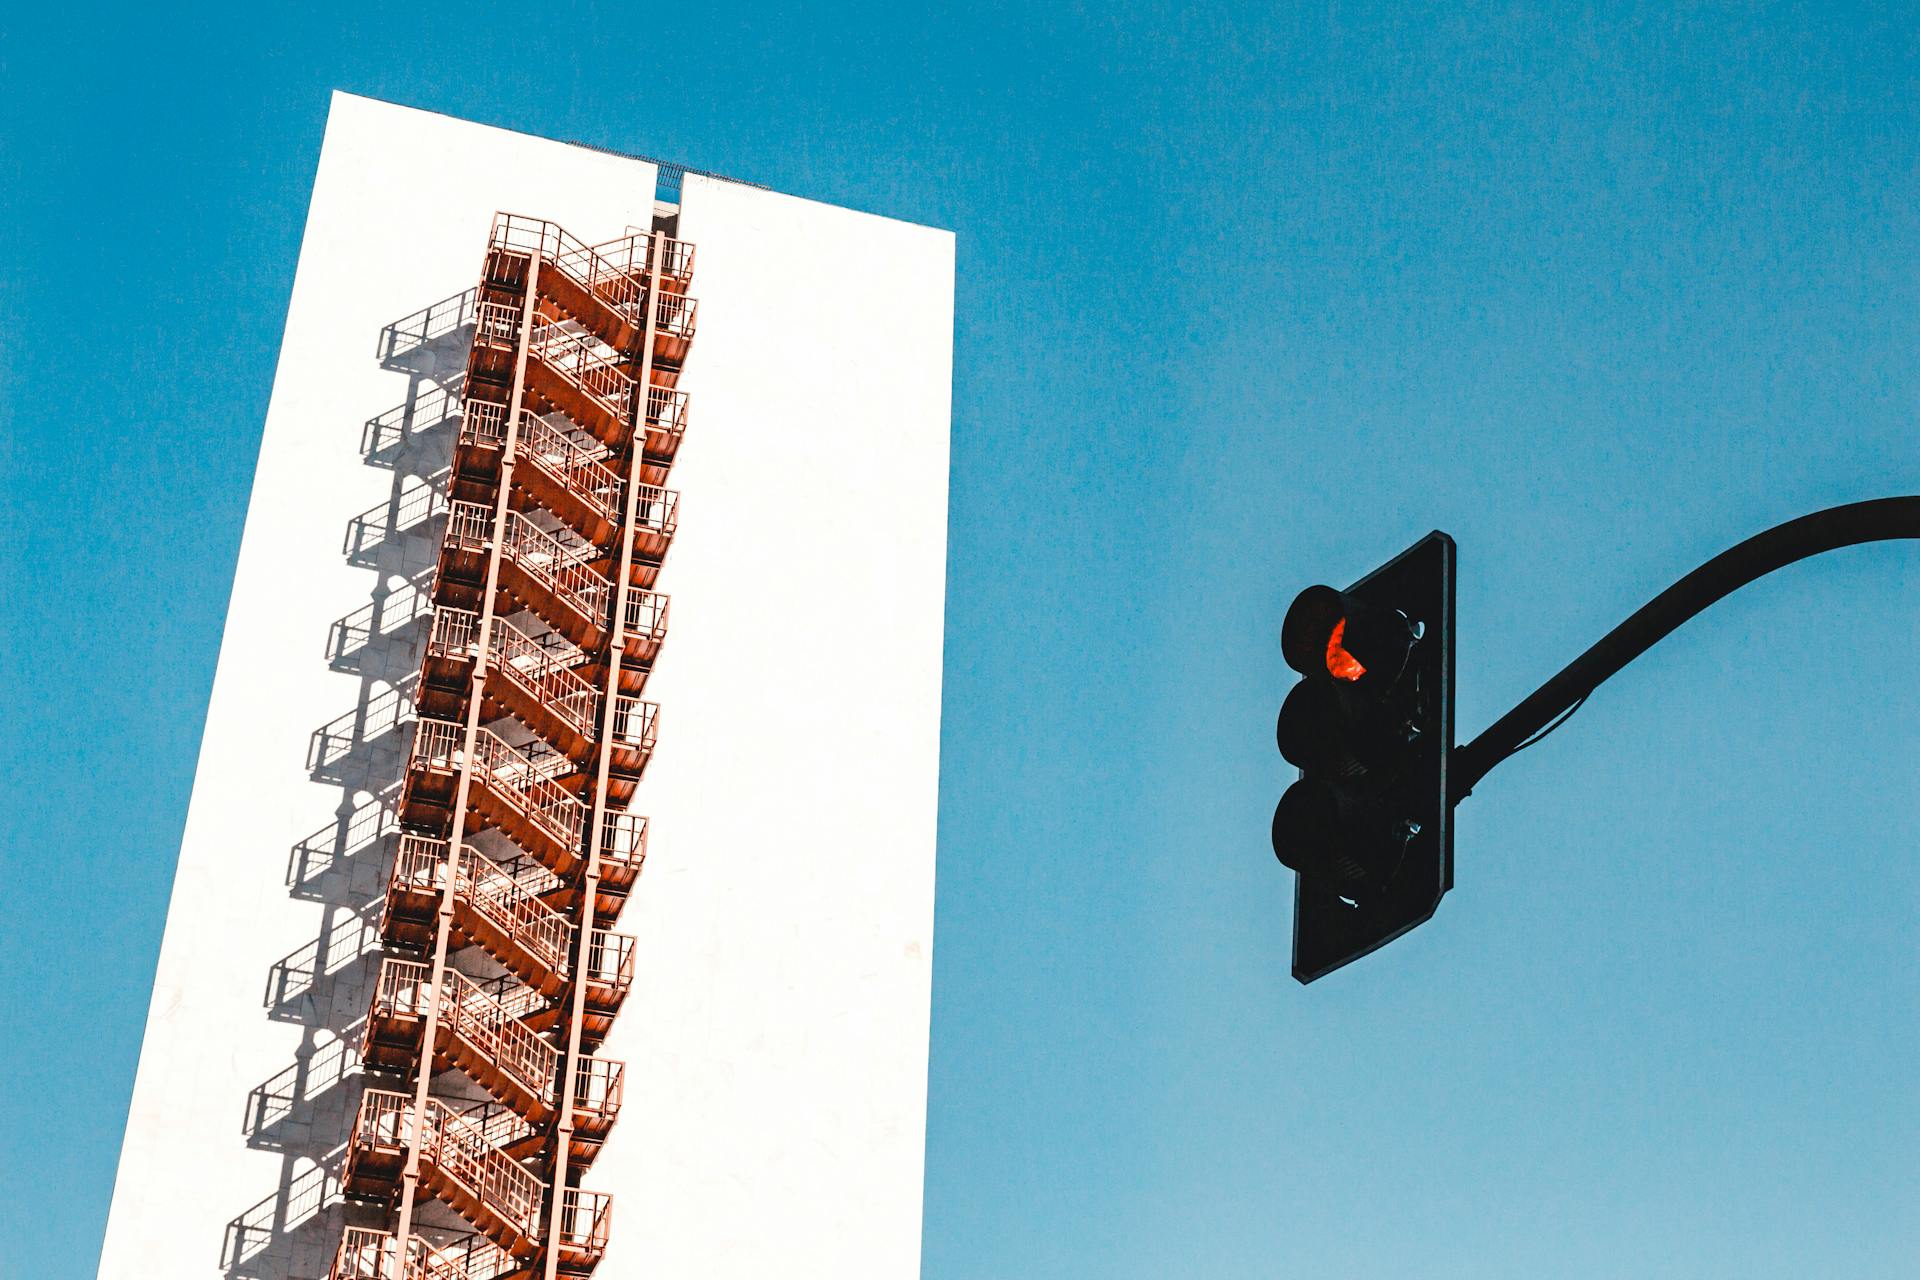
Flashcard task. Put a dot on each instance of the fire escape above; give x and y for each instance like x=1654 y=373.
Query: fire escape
x=487 y=1095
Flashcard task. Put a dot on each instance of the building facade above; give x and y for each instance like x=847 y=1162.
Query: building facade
x=556 y=894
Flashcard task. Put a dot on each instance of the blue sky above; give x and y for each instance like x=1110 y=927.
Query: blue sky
x=1249 y=297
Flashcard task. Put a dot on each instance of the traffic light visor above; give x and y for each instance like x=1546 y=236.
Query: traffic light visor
x=1307 y=638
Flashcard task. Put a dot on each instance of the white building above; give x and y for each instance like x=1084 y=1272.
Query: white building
x=412 y=783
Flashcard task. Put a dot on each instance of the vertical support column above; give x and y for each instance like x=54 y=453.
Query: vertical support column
x=410 y=1176
x=597 y=820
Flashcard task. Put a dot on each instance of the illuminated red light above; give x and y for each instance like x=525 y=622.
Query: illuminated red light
x=1342 y=664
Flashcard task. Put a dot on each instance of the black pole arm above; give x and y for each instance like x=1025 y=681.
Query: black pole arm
x=1876 y=521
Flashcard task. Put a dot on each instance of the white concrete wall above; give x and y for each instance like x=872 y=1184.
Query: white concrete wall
x=777 y=1037
x=775 y=1110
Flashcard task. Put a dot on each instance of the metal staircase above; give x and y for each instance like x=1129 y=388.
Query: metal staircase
x=504 y=970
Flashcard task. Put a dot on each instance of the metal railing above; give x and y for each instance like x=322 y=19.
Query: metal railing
x=598 y=1087
x=515 y=999
x=610 y=960
x=667 y=410
x=674 y=315
x=591 y=366
x=675 y=261
x=460 y=1150
x=542 y=673
x=525 y=782
x=455 y=632
x=614 y=272
x=623 y=841
x=559 y=567
x=507 y=902
x=656 y=510
x=484 y=422
x=636 y=723
x=522 y=234
x=493 y=1029
x=646 y=614
x=579 y=468
x=436 y=745
x=542 y=556
x=405 y=990
x=469 y=526
x=498 y=323
x=382 y=1122
x=500 y=1125
x=623 y=834
x=625 y=255
x=367 y=1254
x=457 y=1148
x=583 y=1221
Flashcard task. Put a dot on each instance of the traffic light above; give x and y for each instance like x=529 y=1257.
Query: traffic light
x=1368 y=827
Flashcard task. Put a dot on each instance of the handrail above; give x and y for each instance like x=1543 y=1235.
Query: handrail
x=544 y=557
x=656 y=509
x=583 y=1220
x=497 y=324
x=484 y=421
x=369 y=1254
x=404 y=989
x=674 y=314
x=580 y=468
x=601 y=273
x=471 y=1014
x=599 y=1084
x=614 y=269
x=515 y=999
x=469 y=525
x=667 y=410
x=636 y=722
x=674 y=257
x=505 y=900
x=647 y=614
x=559 y=567
x=584 y=361
x=623 y=840
x=610 y=959
x=498 y=1123
x=489 y=1024
x=454 y=633
x=458 y=1149
x=543 y=672
x=437 y=746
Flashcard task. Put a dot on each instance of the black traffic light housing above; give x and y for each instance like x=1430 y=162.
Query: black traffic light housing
x=1369 y=826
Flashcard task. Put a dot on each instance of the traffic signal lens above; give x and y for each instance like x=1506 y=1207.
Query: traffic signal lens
x=1351 y=843
x=1341 y=664
x=1309 y=732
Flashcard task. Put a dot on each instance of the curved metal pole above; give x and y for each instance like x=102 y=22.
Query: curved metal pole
x=1879 y=520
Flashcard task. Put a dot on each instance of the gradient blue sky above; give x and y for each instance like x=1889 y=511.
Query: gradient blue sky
x=1249 y=297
